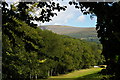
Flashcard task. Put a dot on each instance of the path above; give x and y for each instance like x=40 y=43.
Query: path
x=79 y=73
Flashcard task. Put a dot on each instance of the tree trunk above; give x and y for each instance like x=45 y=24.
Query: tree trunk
x=30 y=76
x=35 y=76
x=51 y=72
x=48 y=73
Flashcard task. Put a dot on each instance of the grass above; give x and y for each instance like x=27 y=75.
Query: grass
x=80 y=73
x=84 y=74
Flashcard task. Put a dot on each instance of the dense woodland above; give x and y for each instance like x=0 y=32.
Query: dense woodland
x=29 y=52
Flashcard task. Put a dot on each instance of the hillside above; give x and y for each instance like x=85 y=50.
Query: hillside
x=86 y=33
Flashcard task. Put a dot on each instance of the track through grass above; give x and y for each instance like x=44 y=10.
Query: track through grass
x=79 y=73
x=84 y=74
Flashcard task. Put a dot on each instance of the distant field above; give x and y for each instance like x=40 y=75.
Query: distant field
x=86 y=33
x=67 y=29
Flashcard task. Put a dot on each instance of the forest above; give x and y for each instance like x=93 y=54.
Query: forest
x=29 y=52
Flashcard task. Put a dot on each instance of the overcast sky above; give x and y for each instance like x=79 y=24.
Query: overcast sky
x=70 y=17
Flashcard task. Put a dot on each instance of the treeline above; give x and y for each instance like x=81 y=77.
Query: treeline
x=34 y=53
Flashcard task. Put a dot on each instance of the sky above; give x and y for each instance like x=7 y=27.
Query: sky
x=70 y=17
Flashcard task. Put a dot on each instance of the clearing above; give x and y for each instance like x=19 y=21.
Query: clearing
x=83 y=74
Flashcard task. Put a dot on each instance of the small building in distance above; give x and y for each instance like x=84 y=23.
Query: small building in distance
x=96 y=66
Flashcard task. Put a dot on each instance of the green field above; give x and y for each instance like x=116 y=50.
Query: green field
x=79 y=73
x=84 y=74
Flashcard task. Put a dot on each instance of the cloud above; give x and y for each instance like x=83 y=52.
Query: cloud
x=57 y=24
x=63 y=17
x=81 y=18
x=12 y=0
x=68 y=17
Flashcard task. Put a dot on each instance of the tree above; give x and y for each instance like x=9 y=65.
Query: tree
x=20 y=58
x=108 y=30
x=24 y=11
x=29 y=52
x=22 y=42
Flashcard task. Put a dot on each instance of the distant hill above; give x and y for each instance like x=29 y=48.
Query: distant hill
x=87 y=33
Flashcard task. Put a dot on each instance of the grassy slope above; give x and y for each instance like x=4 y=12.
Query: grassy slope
x=80 y=73
x=88 y=34
x=85 y=74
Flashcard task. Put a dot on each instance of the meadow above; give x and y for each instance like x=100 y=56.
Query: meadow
x=83 y=74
